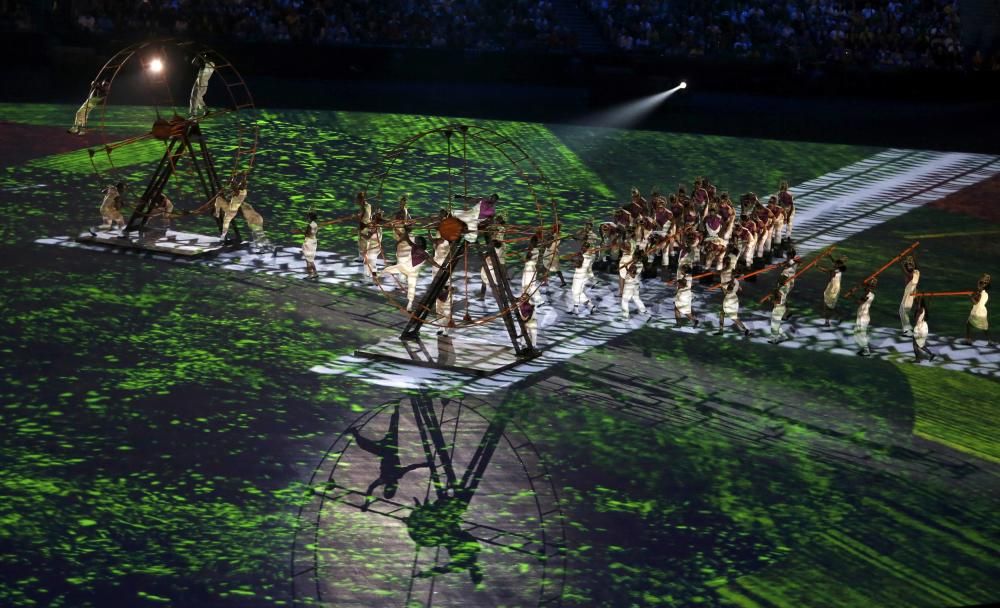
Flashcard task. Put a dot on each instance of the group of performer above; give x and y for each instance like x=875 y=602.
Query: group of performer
x=680 y=238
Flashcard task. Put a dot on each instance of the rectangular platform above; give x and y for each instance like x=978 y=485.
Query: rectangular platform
x=187 y=244
x=450 y=352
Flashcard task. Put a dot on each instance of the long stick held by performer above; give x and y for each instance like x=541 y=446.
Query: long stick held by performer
x=883 y=268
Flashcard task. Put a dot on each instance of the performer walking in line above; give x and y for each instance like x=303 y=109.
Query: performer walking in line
x=98 y=91
x=631 y=291
x=580 y=276
x=390 y=467
x=310 y=245
x=864 y=318
x=410 y=257
x=832 y=292
x=787 y=202
x=920 y=330
x=912 y=275
x=977 y=316
x=779 y=306
x=731 y=307
x=683 y=296
x=111 y=207
x=206 y=68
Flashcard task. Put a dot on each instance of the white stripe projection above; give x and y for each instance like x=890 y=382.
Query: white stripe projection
x=829 y=209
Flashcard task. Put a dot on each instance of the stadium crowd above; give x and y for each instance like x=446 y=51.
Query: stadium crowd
x=875 y=34
x=894 y=34
x=467 y=24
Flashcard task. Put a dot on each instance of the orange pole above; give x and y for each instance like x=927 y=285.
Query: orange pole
x=935 y=294
x=697 y=276
x=749 y=274
x=815 y=261
x=880 y=270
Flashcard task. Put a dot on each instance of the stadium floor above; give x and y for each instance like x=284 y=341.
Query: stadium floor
x=179 y=433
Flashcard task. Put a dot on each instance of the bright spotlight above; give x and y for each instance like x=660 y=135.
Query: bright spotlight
x=156 y=66
x=684 y=84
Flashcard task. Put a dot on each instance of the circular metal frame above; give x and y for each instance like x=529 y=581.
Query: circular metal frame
x=237 y=133
x=460 y=139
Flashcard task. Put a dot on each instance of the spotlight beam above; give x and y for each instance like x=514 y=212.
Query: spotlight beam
x=631 y=113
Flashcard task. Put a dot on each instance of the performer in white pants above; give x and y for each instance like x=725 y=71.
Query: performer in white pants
x=551 y=256
x=977 y=316
x=779 y=306
x=787 y=202
x=731 y=307
x=310 y=245
x=864 y=318
x=371 y=237
x=832 y=292
x=441 y=250
x=98 y=91
x=364 y=219
x=920 y=330
x=907 y=302
x=683 y=296
x=580 y=275
x=259 y=240
x=410 y=257
x=529 y=278
x=631 y=291
x=206 y=68
x=111 y=206
x=228 y=208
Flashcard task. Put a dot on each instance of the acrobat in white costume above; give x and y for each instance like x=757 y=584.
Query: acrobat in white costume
x=197 y=102
x=98 y=91
x=310 y=245
x=409 y=261
x=229 y=208
x=529 y=279
x=111 y=214
x=256 y=222
x=372 y=240
x=630 y=293
x=364 y=220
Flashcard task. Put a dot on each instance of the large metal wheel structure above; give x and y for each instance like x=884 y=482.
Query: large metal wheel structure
x=479 y=161
x=150 y=139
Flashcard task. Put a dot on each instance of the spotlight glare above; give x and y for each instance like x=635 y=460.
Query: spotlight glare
x=156 y=66
x=684 y=84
